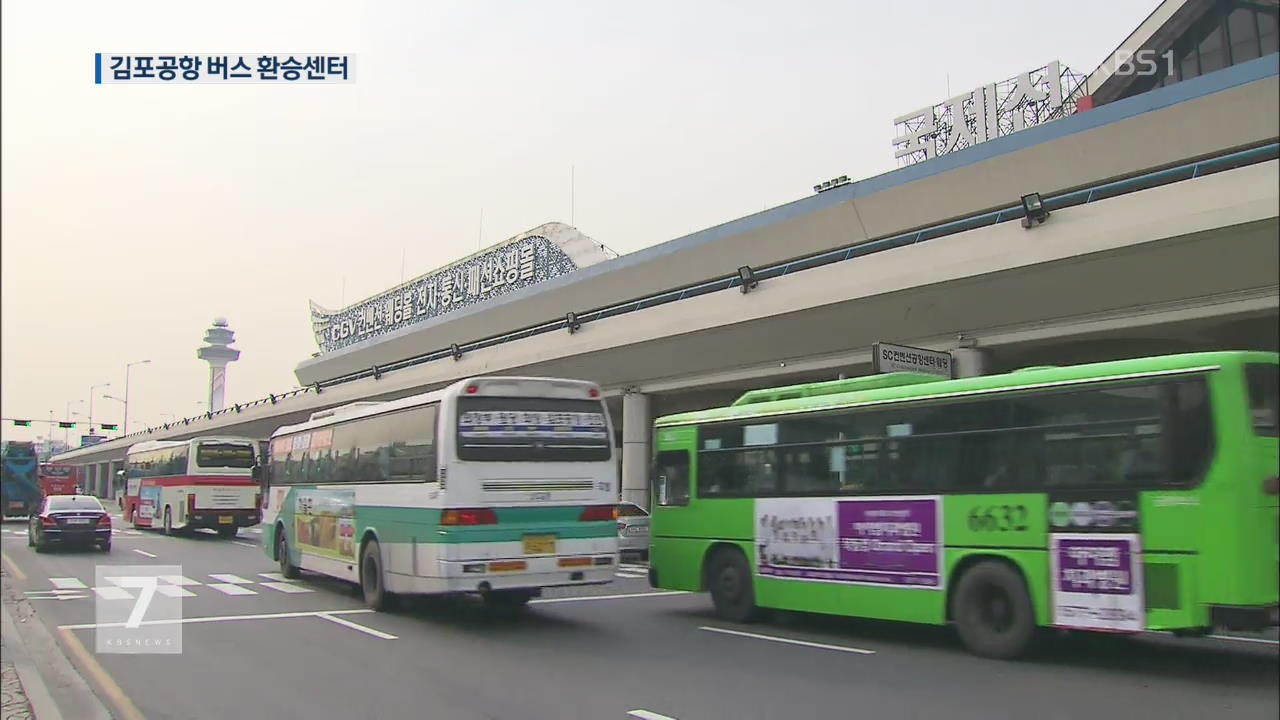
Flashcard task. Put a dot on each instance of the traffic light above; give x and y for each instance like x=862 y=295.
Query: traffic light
x=22 y=423
x=108 y=426
x=64 y=424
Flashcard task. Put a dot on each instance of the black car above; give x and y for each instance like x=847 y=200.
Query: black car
x=68 y=520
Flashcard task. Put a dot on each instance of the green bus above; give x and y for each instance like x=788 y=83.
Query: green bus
x=1121 y=496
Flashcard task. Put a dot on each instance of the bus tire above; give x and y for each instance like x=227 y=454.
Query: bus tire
x=375 y=593
x=732 y=593
x=168 y=521
x=287 y=568
x=992 y=611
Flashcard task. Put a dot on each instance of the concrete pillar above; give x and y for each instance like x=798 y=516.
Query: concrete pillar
x=636 y=431
x=971 y=362
x=109 y=491
x=90 y=479
x=104 y=479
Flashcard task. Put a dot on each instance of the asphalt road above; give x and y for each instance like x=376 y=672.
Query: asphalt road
x=254 y=646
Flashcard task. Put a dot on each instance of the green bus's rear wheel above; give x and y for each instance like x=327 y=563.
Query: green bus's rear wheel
x=992 y=611
x=732 y=593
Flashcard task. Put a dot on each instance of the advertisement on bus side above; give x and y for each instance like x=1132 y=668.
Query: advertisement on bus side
x=148 y=501
x=1097 y=581
x=894 y=541
x=324 y=522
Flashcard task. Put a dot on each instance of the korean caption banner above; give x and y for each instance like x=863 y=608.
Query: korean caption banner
x=869 y=541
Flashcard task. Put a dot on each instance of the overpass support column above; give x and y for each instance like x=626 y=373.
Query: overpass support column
x=108 y=491
x=971 y=361
x=635 y=448
x=104 y=479
x=90 y=480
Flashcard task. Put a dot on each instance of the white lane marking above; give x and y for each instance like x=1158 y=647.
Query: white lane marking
x=273 y=576
x=178 y=580
x=56 y=597
x=228 y=578
x=285 y=587
x=634 y=566
x=220 y=618
x=1260 y=641
x=67 y=583
x=174 y=591
x=356 y=626
x=789 y=641
x=244 y=544
x=143 y=552
x=630 y=576
x=621 y=596
x=111 y=592
x=647 y=715
x=231 y=589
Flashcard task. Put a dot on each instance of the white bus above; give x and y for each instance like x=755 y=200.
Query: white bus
x=181 y=485
x=499 y=486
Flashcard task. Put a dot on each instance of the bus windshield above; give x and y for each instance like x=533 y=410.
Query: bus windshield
x=531 y=429
x=225 y=455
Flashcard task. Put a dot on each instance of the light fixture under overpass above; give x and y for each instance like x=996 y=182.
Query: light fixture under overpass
x=571 y=321
x=455 y=351
x=832 y=183
x=748 y=278
x=1033 y=210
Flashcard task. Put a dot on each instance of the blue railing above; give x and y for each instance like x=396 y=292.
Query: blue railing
x=1134 y=183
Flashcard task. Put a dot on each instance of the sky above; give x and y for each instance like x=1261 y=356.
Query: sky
x=133 y=215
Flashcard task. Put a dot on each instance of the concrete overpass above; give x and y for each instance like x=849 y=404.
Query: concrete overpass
x=1163 y=237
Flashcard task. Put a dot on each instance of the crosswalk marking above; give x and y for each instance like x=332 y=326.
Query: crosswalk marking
x=111 y=592
x=285 y=587
x=178 y=580
x=272 y=576
x=67 y=583
x=174 y=591
x=231 y=579
x=232 y=588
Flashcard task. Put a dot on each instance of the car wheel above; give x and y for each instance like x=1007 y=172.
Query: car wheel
x=106 y=546
x=732 y=591
x=992 y=611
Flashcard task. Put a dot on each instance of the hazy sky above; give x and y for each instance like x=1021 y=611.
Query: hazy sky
x=135 y=214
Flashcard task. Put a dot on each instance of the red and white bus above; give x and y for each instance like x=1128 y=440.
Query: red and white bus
x=182 y=485
x=58 y=479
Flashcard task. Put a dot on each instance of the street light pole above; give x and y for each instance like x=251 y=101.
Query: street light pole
x=125 y=431
x=66 y=436
x=91 y=389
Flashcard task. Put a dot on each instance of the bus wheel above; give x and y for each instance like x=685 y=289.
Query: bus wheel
x=287 y=568
x=168 y=522
x=729 y=579
x=375 y=593
x=992 y=611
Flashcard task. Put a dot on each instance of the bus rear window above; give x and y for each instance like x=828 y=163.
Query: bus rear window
x=225 y=455
x=1264 y=407
x=532 y=430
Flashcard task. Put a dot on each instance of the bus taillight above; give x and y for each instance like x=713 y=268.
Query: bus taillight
x=469 y=516
x=191 y=504
x=257 y=500
x=599 y=513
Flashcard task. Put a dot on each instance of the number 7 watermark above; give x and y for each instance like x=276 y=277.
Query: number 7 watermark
x=138 y=608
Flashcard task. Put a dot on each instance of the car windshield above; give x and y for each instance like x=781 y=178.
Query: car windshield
x=74 y=503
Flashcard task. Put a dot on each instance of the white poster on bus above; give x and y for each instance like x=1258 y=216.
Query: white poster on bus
x=1097 y=581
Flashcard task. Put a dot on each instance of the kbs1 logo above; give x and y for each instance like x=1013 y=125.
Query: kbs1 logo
x=1143 y=63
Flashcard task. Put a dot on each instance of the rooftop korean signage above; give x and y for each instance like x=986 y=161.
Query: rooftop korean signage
x=541 y=254
x=887 y=358
x=987 y=112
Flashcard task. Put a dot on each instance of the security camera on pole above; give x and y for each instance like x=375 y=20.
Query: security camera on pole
x=218 y=354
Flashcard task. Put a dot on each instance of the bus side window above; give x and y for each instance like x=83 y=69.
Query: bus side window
x=671 y=478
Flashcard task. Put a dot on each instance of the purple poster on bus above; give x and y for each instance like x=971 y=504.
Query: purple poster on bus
x=874 y=541
x=1097 y=581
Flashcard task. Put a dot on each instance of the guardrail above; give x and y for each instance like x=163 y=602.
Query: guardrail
x=1134 y=183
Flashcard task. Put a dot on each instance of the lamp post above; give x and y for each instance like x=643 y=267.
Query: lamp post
x=66 y=436
x=91 y=389
x=125 y=431
x=119 y=400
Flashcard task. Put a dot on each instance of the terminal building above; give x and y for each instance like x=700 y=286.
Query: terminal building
x=1050 y=218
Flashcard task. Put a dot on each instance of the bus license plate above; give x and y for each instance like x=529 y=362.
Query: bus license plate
x=539 y=544
x=225 y=520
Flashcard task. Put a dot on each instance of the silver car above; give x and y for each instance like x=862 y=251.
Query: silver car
x=633 y=530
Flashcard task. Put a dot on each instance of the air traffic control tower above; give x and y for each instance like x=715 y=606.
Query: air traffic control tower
x=217 y=353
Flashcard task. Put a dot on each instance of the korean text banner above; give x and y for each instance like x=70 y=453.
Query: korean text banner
x=870 y=541
x=179 y=68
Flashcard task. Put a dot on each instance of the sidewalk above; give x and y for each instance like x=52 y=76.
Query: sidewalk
x=14 y=704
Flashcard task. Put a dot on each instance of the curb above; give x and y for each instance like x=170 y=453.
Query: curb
x=40 y=663
x=33 y=687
